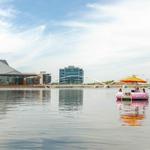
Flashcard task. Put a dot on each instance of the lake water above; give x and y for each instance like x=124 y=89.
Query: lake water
x=72 y=119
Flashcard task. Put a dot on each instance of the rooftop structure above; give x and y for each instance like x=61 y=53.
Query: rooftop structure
x=6 y=69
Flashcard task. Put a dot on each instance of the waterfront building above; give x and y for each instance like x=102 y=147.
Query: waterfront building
x=71 y=75
x=10 y=76
x=31 y=79
x=45 y=78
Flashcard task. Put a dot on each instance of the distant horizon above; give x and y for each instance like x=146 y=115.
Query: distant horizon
x=109 y=39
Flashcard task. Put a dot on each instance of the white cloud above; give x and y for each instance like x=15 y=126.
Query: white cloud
x=123 y=39
x=7 y=12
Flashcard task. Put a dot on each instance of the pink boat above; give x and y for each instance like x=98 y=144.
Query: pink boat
x=143 y=103
x=132 y=96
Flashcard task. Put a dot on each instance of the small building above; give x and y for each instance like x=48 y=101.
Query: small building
x=31 y=79
x=10 y=76
x=45 y=78
x=71 y=75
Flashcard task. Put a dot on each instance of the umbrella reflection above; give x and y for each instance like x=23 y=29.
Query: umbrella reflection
x=132 y=113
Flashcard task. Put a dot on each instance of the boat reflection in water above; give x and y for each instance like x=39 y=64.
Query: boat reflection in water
x=70 y=99
x=132 y=113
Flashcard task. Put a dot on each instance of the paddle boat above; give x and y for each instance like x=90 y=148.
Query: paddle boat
x=135 y=94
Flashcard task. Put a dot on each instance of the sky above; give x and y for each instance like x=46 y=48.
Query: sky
x=109 y=39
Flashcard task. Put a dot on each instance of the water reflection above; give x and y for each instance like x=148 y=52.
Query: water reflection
x=11 y=98
x=17 y=95
x=132 y=113
x=70 y=99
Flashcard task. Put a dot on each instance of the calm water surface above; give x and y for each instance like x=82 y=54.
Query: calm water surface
x=72 y=119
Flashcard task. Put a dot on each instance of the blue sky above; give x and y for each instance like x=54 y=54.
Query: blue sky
x=109 y=39
x=32 y=13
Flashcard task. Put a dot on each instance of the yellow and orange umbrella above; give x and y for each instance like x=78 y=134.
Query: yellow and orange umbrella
x=133 y=79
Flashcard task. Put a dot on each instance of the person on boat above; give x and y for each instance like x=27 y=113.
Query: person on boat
x=120 y=90
x=137 y=89
x=133 y=90
x=144 y=90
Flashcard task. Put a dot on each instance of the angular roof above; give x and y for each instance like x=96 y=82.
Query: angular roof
x=6 y=69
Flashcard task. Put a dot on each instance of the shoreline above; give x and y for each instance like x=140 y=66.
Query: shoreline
x=28 y=87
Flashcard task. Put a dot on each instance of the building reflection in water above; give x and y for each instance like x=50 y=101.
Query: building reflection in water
x=70 y=99
x=132 y=113
x=11 y=98
x=44 y=96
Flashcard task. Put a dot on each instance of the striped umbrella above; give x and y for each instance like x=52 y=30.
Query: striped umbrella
x=133 y=79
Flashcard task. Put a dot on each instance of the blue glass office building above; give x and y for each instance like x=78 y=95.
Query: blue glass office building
x=71 y=75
